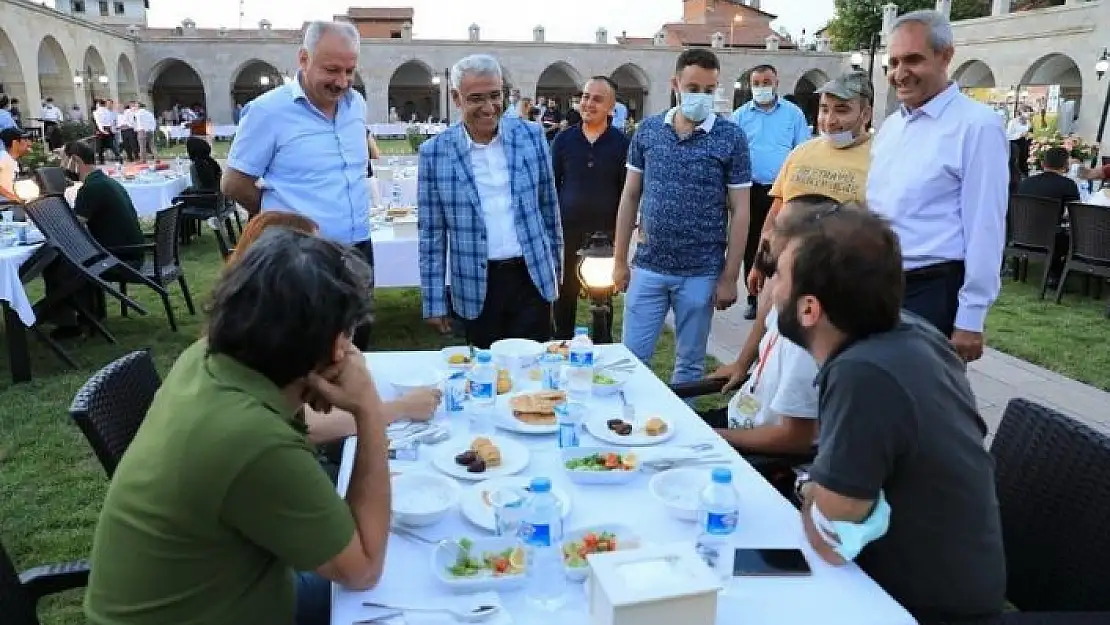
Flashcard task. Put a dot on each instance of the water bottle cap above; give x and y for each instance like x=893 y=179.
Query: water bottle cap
x=483 y=356
x=581 y=330
x=722 y=475
x=540 y=485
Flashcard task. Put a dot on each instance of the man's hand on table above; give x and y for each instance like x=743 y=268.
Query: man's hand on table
x=969 y=345
x=417 y=405
x=440 y=324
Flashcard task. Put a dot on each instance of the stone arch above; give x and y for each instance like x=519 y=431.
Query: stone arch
x=412 y=92
x=1052 y=84
x=56 y=76
x=559 y=81
x=253 y=78
x=633 y=85
x=126 y=85
x=12 y=82
x=805 y=93
x=94 y=75
x=974 y=74
x=175 y=82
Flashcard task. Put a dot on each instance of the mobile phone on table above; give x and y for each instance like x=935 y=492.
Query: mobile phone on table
x=770 y=563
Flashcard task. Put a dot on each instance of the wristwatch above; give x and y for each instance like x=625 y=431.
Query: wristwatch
x=801 y=484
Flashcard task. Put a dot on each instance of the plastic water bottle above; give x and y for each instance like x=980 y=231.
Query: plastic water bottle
x=395 y=196
x=542 y=533
x=718 y=510
x=568 y=416
x=580 y=370
x=483 y=393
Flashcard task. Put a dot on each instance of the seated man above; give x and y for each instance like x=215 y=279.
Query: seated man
x=772 y=420
x=16 y=143
x=219 y=498
x=1053 y=183
x=902 y=483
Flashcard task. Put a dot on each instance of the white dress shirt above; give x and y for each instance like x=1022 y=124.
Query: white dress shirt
x=127 y=119
x=51 y=113
x=940 y=174
x=8 y=169
x=1016 y=129
x=104 y=120
x=145 y=120
x=491 y=176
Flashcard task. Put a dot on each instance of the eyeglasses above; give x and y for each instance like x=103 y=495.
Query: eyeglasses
x=481 y=99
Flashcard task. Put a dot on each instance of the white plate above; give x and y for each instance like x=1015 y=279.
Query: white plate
x=596 y=425
x=505 y=420
x=679 y=490
x=626 y=539
x=516 y=353
x=514 y=459
x=443 y=557
x=477 y=510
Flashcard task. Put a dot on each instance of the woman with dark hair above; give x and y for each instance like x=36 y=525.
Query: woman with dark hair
x=206 y=171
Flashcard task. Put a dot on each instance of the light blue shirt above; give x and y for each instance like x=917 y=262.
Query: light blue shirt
x=771 y=134
x=513 y=110
x=6 y=119
x=620 y=116
x=311 y=165
x=940 y=174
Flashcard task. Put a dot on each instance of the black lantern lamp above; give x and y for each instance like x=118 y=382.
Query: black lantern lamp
x=1101 y=67
x=595 y=273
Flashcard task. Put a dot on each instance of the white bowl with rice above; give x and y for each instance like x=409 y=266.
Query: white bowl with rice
x=421 y=499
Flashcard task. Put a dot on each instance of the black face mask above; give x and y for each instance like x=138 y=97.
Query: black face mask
x=73 y=175
x=790 y=327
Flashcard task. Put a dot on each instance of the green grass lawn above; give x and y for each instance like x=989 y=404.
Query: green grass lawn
x=220 y=149
x=51 y=485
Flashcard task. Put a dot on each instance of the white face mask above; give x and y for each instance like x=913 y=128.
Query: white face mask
x=840 y=140
x=763 y=95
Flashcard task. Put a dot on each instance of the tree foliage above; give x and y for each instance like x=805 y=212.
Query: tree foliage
x=856 y=21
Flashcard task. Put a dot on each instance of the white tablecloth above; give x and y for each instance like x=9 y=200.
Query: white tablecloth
x=381 y=188
x=176 y=132
x=399 y=129
x=224 y=131
x=831 y=596
x=396 y=259
x=151 y=197
x=11 y=287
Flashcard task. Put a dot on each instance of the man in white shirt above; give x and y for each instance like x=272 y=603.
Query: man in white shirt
x=51 y=118
x=939 y=173
x=1017 y=133
x=16 y=143
x=147 y=128
x=105 y=131
x=128 y=122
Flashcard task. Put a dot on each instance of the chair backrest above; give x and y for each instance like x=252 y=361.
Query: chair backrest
x=58 y=223
x=51 y=180
x=1034 y=220
x=167 y=227
x=112 y=404
x=16 y=604
x=1090 y=231
x=1053 y=480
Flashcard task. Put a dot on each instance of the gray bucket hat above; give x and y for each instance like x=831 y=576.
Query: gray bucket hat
x=849 y=86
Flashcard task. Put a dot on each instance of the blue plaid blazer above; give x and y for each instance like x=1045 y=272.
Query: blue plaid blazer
x=450 y=217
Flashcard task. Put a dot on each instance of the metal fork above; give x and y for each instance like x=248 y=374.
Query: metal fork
x=411 y=534
x=628 y=411
x=665 y=464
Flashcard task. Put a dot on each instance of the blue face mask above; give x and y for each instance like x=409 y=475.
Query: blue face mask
x=697 y=106
x=848 y=539
x=840 y=140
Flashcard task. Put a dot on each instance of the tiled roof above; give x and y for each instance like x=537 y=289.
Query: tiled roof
x=746 y=36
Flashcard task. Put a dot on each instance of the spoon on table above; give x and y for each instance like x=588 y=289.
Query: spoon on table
x=473 y=615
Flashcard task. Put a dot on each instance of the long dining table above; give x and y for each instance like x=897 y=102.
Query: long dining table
x=831 y=595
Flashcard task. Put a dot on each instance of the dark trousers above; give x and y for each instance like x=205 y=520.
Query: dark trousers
x=105 y=142
x=932 y=293
x=566 y=307
x=361 y=339
x=313 y=599
x=514 y=308
x=130 y=140
x=1019 y=154
x=50 y=132
x=761 y=205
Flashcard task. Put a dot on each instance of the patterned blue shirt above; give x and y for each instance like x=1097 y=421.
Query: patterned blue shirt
x=684 y=204
x=311 y=165
x=771 y=134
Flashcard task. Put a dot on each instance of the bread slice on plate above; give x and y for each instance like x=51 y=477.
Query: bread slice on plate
x=537 y=408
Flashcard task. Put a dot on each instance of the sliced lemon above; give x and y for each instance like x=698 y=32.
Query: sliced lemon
x=517 y=559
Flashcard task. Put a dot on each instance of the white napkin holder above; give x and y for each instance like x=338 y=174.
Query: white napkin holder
x=652 y=585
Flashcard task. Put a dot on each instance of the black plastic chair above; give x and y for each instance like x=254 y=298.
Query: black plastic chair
x=51 y=180
x=1053 y=481
x=112 y=404
x=20 y=593
x=1090 y=244
x=1033 y=223
x=161 y=262
x=223 y=237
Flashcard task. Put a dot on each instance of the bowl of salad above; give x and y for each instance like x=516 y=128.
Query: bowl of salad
x=600 y=465
x=478 y=564
x=608 y=382
x=580 y=544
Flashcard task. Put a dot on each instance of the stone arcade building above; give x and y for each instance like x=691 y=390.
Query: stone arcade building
x=106 y=50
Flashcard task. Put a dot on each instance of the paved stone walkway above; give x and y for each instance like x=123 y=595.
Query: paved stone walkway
x=995 y=378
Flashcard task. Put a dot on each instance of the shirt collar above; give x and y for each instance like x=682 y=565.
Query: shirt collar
x=297 y=91
x=233 y=375
x=706 y=124
x=934 y=107
x=471 y=144
x=752 y=106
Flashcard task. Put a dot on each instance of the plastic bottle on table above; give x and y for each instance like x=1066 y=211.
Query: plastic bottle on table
x=718 y=510
x=580 y=367
x=483 y=393
x=542 y=533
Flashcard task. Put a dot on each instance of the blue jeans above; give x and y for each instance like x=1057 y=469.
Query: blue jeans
x=650 y=296
x=313 y=599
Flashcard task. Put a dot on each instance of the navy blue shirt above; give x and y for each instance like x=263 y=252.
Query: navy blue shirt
x=589 y=177
x=684 y=205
